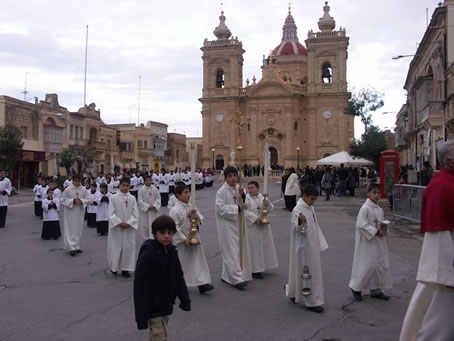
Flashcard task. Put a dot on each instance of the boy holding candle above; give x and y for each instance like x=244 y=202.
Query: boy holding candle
x=192 y=256
x=260 y=237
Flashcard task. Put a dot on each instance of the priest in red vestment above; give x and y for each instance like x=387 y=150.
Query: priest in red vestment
x=430 y=313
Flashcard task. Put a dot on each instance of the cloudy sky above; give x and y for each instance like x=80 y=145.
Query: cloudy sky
x=43 y=42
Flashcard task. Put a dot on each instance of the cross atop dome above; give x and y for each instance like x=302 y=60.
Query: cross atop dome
x=290 y=44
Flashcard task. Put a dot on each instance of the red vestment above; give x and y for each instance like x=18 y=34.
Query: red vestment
x=437 y=212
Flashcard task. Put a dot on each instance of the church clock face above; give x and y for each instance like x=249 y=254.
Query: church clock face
x=219 y=117
x=327 y=114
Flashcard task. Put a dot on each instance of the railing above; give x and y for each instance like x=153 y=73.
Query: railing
x=333 y=34
x=407 y=202
x=222 y=42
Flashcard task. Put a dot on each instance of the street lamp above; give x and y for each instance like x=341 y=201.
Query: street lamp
x=404 y=56
x=213 y=150
x=298 y=153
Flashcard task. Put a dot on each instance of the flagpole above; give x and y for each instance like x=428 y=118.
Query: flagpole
x=85 y=78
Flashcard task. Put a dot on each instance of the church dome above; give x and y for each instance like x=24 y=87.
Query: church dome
x=290 y=44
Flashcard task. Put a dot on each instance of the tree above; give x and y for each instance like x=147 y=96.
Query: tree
x=363 y=103
x=10 y=144
x=66 y=159
x=370 y=146
x=84 y=159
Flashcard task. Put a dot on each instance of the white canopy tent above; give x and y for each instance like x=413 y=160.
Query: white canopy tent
x=345 y=158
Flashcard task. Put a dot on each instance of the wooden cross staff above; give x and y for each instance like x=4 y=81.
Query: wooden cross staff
x=238 y=120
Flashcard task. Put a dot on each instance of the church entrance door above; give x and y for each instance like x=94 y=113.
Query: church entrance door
x=273 y=156
x=219 y=161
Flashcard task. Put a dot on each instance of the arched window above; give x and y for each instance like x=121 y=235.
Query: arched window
x=220 y=78
x=327 y=73
x=295 y=128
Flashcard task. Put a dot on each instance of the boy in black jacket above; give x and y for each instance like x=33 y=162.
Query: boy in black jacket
x=158 y=280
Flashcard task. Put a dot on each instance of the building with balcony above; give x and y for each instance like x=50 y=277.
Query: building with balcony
x=427 y=119
x=177 y=155
x=297 y=105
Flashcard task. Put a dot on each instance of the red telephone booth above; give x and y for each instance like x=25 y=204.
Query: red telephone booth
x=389 y=171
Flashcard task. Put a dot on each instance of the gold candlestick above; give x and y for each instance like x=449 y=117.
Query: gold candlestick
x=265 y=211
x=193 y=232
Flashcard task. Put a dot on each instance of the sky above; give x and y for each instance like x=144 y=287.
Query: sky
x=42 y=45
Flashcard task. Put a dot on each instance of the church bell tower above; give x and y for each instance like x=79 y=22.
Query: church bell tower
x=222 y=84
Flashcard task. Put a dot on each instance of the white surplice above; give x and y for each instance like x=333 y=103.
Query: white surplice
x=192 y=258
x=121 y=243
x=102 y=213
x=228 y=227
x=305 y=249
x=371 y=269
x=148 y=196
x=52 y=214
x=73 y=215
x=429 y=314
x=261 y=241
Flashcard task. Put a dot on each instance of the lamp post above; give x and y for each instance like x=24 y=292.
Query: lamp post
x=298 y=153
x=213 y=150
x=404 y=56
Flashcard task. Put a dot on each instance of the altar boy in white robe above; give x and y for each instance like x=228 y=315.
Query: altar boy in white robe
x=123 y=224
x=74 y=200
x=102 y=199
x=306 y=244
x=260 y=237
x=192 y=256
x=149 y=203
x=236 y=265
x=371 y=269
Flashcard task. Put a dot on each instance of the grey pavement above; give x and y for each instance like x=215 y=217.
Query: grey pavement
x=47 y=295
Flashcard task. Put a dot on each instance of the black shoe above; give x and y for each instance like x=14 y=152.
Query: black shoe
x=258 y=275
x=240 y=286
x=125 y=274
x=113 y=272
x=292 y=299
x=357 y=295
x=79 y=251
x=205 y=288
x=72 y=253
x=317 y=309
x=380 y=296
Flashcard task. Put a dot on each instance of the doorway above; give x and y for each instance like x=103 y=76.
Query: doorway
x=273 y=156
x=219 y=161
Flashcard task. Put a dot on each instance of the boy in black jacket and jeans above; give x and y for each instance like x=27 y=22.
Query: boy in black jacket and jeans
x=158 y=280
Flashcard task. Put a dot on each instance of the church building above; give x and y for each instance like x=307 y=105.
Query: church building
x=297 y=106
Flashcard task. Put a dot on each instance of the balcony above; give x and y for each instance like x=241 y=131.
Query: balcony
x=144 y=151
x=399 y=139
x=97 y=146
x=126 y=155
x=158 y=153
x=52 y=147
x=432 y=112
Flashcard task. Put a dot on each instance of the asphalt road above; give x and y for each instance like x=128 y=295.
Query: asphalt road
x=47 y=295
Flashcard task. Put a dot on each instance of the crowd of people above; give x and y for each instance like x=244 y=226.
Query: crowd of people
x=340 y=181
x=121 y=205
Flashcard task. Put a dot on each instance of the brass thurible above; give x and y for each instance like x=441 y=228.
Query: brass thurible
x=306 y=281
x=193 y=232
x=265 y=211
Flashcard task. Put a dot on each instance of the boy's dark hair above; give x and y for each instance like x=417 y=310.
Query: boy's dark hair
x=103 y=185
x=49 y=189
x=77 y=177
x=163 y=223
x=255 y=183
x=146 y=177
x=179 y=183
x=309 y=190
x=373 y=186
x=93 y=184
x=125 y=179
x=230 y=170
x=180 y=189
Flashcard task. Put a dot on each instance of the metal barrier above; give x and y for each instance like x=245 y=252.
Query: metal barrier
x=407 y=202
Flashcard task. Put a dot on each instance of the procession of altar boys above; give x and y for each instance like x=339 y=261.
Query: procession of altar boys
x=118 y=206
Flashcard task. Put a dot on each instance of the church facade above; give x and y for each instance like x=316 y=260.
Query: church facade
x=297 y=106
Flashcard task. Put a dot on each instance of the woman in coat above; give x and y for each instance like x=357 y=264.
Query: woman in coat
x=292 y=189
